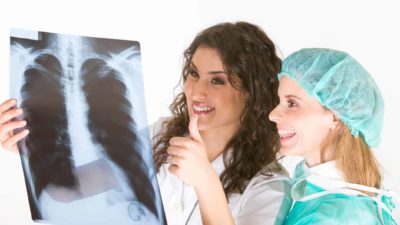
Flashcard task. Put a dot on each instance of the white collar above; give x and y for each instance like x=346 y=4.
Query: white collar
x=328 y=170
x=328 y=177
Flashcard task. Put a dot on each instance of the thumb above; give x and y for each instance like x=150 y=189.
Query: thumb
x=194 y=130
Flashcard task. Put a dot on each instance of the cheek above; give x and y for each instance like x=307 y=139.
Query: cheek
x=236 y=104
x=241 y=106
x=238 y=99
x=187 y=88
x=316 y=129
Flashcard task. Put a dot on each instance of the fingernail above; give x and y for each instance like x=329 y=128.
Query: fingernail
x=22 y=123
x=19 y=111
x=26 y=131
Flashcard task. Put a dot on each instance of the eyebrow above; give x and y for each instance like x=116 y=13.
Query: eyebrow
x=212 y=72
x=216 y=72
x=292 y=96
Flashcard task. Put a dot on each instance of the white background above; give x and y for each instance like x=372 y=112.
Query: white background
x=368 y=30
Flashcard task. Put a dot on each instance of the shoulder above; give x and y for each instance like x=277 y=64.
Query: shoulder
x=271 y=187
x=274 y=182
x=266 y=199
x=274 y=176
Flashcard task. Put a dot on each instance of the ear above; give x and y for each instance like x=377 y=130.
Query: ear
x=334 y=120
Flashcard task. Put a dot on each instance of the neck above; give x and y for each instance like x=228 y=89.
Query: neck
x=318 y=157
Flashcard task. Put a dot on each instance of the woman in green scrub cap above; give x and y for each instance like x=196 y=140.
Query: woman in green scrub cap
x=331 y=113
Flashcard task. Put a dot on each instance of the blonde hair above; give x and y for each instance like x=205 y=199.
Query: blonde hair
x=353 y=157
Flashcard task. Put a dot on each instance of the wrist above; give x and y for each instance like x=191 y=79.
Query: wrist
x=208 y=182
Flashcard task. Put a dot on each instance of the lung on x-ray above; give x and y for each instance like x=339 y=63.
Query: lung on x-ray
x=87 y=158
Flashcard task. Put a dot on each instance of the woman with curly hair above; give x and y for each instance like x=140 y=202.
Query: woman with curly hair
x=216 y=155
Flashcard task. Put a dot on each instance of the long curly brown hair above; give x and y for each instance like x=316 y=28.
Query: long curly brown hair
x=248 y=54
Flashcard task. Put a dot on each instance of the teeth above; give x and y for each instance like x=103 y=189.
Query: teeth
x=286 y=133
x=202 y=108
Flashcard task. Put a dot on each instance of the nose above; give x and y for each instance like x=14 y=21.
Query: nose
x=275 y=115
x=197 y=89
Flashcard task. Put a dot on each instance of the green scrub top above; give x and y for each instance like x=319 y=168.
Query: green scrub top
x=334 y=208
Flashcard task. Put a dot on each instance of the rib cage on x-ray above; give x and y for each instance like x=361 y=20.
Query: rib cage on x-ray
x=67 y=85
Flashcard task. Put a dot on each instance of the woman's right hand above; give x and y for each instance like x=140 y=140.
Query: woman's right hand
x=9 y=122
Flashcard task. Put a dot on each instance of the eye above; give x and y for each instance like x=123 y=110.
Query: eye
x=193 y=73
x=291 y=103
x=218 y=81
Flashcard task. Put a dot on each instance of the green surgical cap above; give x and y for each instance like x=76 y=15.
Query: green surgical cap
x=342 y=85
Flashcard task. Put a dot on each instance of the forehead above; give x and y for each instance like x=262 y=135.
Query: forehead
x=207 y=58
x=289 y=86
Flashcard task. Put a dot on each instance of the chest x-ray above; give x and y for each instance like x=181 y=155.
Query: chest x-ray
x=87 y=158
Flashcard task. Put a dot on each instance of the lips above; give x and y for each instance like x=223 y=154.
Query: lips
x=201 y=108
x=286 y=135
x=289 y=139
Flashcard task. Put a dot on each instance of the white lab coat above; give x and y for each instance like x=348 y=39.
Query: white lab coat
x=266 y=200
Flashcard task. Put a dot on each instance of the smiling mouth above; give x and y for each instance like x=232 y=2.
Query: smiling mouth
x=202 y=109
x=286 y=134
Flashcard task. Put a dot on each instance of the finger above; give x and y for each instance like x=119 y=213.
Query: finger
x=179 y=141
x=173 y=169
x=12 y=141
x=174 y=150
x=194 y=130
x=8 y=115
x=176 y=160
x=7 y=129
x=7 y=104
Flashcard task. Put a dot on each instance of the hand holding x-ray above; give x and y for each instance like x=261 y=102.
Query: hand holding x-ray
x=9 y=123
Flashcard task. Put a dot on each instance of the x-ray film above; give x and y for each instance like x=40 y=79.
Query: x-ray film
x=87 y=159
